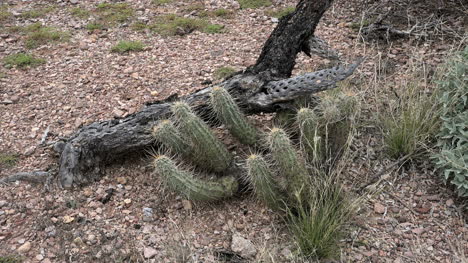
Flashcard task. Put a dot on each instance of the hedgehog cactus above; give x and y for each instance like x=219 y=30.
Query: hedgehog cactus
x=166 y=133
x=184 y=183
x=288 y=161
x=230 y=115
x=308 y=123
x=210 y=152
x=261 y=178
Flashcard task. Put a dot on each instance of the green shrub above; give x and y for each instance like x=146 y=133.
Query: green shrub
x=128 y=46
x=213 y=29
x=254 y=3
x=139 y=26
x=8 y=159
x=452 y=144
x=224 y=72
x=22 y=60
x=279 y=13
x=114 y=13
x=410 y=124
x=38 y=35
x=35 y=13
x=94 y=26
x=171 y=25
x=80 y=12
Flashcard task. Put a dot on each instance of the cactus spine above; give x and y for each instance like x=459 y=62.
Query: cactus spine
x=288 y=162
x=230 y=115
x=210 y=152
x=308 y=123
x=261 y=178
x=166 y=133
x=193 y=188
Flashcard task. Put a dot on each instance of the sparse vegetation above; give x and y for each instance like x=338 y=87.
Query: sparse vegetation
x=80 y=12
x=221 y=12
x=39 y=12
x=21 y=60
x=410 y=123
x=8 y=159
x=224 y=72
x=128 y=46
x=254 y=3
x=161 y=2
x=4 y=14
x=451 y=157
x=114 y=13
x=214 y=29
x=278 y=13
x=172 y=24
x=94 y=26
x=38 y=35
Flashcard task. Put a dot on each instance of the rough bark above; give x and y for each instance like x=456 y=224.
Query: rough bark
x=261 y=88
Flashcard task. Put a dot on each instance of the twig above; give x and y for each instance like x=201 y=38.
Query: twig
x=35 y=177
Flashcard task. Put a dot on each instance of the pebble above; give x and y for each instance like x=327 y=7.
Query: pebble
x=24 y=248
x=243 y=246
x=149 y=252
x=379 y=208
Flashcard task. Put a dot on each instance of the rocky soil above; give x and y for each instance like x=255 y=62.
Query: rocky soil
x=128 y=217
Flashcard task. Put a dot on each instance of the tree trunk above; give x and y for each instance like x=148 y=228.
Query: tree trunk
x=261 y=88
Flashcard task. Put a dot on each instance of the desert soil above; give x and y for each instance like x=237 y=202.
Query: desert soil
x=413 y=217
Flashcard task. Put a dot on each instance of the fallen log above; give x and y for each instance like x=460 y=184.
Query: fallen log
x=263 y=87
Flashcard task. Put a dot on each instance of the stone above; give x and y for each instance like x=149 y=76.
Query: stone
x=187 y=204
x=121 y=180
x=149 y=252
x=379 y=208
x=24 y=248
x=118 y=113
x=74 y=2
x=29 y=151
x=242 y=246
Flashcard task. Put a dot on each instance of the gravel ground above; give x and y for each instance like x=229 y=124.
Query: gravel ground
x=413 y=217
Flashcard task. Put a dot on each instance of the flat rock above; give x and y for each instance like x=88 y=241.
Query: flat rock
x=379 y=208
x=149 y=252
x=242 y=246
x=24 y=248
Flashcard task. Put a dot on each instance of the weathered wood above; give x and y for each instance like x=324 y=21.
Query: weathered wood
x=261 y=88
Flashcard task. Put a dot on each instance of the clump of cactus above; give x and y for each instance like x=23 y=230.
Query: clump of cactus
x=230 y=115
x=261 y=178
x=210 y=152
x=184 y=183
x=289 y=163
x=168 y=135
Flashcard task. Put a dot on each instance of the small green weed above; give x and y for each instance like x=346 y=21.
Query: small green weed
x=11 y=259
x=128 y=46
x=8 y=159
x=161 y=2
x=21 y=60
x=279 y=13
x=224 y=72
x=80 y=12
x=254 y=3
x=198 y=9
x=94 y=26
x=139 y=26
x=112 y=14
x=39 y=12
x=214 y=29
x=356 y=26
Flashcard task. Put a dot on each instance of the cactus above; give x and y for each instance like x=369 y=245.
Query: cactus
x=289 y=162
x=230 y=115
x=209 y=152
x=261 y=178
x=308 y=123
x=166 y=133
x=184 y=183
